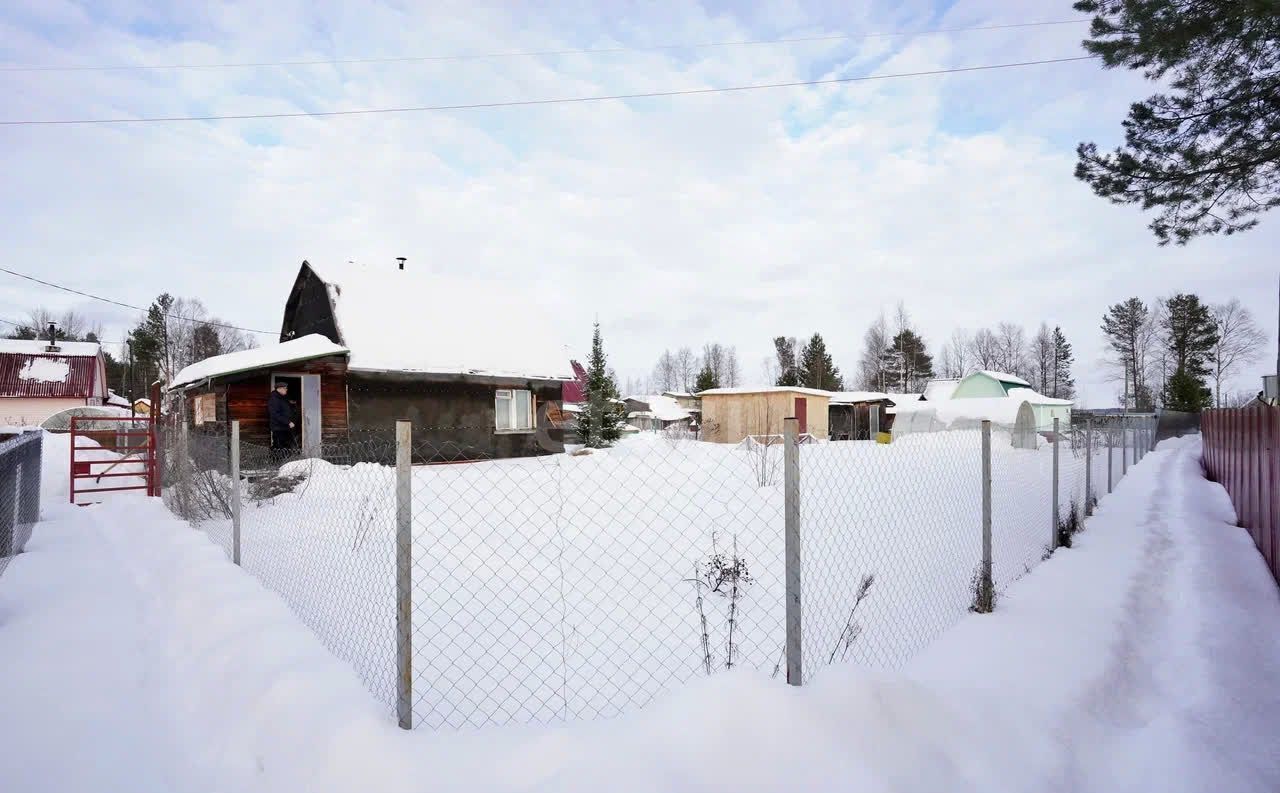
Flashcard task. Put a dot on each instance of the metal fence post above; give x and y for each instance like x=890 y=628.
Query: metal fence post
x=986 y=582
x=1088 y=466
x=874 y=418
x=404 y=574
x=791 y=550
x=1110 y=454
x=184 y=468
x=1053 y=528
x=235 y=492
x=1124 y=447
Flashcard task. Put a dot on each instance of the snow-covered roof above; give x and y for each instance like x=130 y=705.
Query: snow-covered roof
x=303 y=349
x=941 y=388
x=898 y=399
x=1036 y=398
x=661 y=407
x=45 y=370
x=142 y=401
x=66 y=349
x=997 y=410
x=850 y=397
x=115 y=399
x=1005 y=377
x=765 y=390
x=678 y=394
x=417 y=320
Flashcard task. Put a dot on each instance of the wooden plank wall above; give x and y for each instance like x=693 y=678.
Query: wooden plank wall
x=245 y=400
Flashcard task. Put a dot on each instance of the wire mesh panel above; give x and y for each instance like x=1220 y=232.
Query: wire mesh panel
x=891 y=537
x=20 y=463
x=577 y=586
x=1022 y=526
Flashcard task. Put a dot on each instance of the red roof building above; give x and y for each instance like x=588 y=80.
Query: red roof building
x=38 y=380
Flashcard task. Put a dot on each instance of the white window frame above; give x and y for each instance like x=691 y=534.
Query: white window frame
x=513 y=417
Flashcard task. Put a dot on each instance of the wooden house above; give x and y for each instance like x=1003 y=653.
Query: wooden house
x=362 y=347
x=732 y=414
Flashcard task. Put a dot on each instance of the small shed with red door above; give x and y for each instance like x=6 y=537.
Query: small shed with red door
x=731 y=414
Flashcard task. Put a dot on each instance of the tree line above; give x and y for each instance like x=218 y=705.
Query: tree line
x=1179 y=352
x=716 y=366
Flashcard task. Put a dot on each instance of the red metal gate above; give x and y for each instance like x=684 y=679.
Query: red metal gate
x=123 y=446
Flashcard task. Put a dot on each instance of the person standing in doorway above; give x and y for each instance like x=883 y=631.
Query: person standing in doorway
x=280 y=418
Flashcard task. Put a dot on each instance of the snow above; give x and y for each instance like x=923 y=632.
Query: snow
x=115 y=400
x=1004 y=377
x=661 y=407
x=292 y=351
x=1143 y=658
x=1036 y=398
x=417 y=320
x=851 y=397
x=1002 y=411
x=765 y=390
x=66 y=349
x=940 y=389
x=45 y=370
x=902 y=399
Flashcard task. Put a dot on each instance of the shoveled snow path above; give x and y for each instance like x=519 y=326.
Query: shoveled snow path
x=134 y=657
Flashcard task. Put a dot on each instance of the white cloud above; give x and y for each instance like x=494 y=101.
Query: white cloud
x=730 y=217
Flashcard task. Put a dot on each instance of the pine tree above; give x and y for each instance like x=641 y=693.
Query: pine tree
x=816 y=367
x=707 y=379
x=1063 y=385
x=1190 y=334
x=1204 y=154
x=907 y=363
x=600 y=422
x=788 y=374
x=205 y=343
x=1126 y=326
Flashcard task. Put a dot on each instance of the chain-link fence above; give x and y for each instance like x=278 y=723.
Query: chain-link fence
x=20 y=463
x=470 y=591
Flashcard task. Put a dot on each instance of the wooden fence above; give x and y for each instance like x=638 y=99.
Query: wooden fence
x=1242 y=452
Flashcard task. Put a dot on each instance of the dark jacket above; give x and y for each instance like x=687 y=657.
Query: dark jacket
x=279 y=412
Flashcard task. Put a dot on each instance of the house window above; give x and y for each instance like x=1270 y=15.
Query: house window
x=513 y=410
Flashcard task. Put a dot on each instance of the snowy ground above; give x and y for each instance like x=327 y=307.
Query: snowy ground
x=557 y=588
x=1147 y=657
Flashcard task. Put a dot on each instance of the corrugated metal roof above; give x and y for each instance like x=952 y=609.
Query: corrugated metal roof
x=63 y=376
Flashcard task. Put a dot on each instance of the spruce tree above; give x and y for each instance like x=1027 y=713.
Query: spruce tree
x=1190 y=335
x=785 y=348
x=706 y=379
x=816 y=367
x=1063 y=385
x=1205 y=153
x=600 y=422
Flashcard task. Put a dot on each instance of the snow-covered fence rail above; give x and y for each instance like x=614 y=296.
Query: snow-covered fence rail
x=1242 y=453
x=20 y=461
x=575 y=586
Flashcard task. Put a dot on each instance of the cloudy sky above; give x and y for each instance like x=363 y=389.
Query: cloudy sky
x=729 y=217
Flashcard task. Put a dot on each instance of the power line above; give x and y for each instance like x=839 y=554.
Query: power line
x=29 y=327
x=554 y=101
x=131 y=306
x=535 y=53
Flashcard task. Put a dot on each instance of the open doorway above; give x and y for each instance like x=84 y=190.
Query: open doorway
x=304 y=397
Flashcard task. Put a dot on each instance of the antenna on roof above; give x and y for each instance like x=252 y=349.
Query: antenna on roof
x=400 y=259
